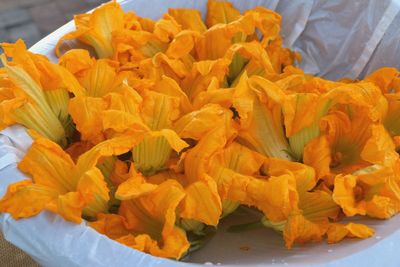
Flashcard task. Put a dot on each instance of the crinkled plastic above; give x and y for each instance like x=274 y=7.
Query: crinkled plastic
x=336 y=38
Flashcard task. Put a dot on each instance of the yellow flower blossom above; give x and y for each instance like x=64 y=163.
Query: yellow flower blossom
x=309 y=220
x=96 y=29
x=61 y=186
x=372 y=191
x=147 y=222
x=38 y=93
x=259 y=104
x=357 y=98
x=178 y=121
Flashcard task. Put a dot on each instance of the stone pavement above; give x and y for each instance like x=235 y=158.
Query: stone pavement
x=31 y=20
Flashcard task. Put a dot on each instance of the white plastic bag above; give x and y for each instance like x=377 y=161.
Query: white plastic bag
x=336 y=38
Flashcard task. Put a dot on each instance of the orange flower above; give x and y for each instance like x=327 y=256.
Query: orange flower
x=259 y=104
x=178 y=122
x=373 y=191
x=36 y=93
x=61 y=186
x=147 y=221
x=96 y=29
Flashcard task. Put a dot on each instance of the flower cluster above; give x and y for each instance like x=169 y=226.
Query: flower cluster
x=162 y=128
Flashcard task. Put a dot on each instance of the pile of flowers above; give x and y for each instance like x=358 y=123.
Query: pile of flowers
x=160 y=129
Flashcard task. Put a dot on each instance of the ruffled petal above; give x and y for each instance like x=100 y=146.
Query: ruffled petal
x=311 y=221
x=100 y=79
x=263 y=130
x=203 y=73
x=95 y=192
x=111 y=147
x=197 y=159
x=379 y=149
x=49 y=166
x=133 y=188
x=111 y=225
x=153 y=214
x=317 y=153
x=189 y=19
x=275 y=197
x=159 y=110
x=337 y=231
x=387 y=79
x=86 y=113
x=220 y=12
x=202 y=202
x=69 y=206
x=38 y=114
x=77 y=61
x=96 y=29
x=26 y=199
x=240 y=159
x=182 y=45
x=196 y=124
x=344 y=194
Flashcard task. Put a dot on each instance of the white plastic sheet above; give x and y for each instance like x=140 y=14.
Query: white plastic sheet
x=336 y=38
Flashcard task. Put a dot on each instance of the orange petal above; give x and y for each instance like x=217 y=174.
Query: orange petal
x=337 y=232
x=86 y=113
x=189 y=19
x=202 y=202
x=343 y=195
x=111 y=225
x=25 y=199
x=94 y=191
x=220 y=12
x=49 y=166
x=69 y=206
x=317 y=154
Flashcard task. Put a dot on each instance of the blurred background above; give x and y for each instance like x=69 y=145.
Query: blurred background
x=31 y=20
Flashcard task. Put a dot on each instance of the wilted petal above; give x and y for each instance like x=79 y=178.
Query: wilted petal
x=338 y=231
x=189 y=19
x=94 y=190
x=49 y=166
x=26 y=199
x=153 y=214
x=196 y=124
x=96 y=29
x=202 y=202
x=220 y=12
x=86 y=113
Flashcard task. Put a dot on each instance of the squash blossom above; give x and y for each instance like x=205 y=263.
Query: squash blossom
x=59 y=185
x=35 y=93
x=165 y=127
x=147 y=221
x=259 y=105
x=96 y=29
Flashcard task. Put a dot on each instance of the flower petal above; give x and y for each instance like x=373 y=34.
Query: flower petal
x=86 y=113
x=337 y=231
x=69 y=206
x=202 y=202
x=94 y=191
x=153 y=214
x=189 y=19
x=26 y=199
x=49 y=166
x=220 y=12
